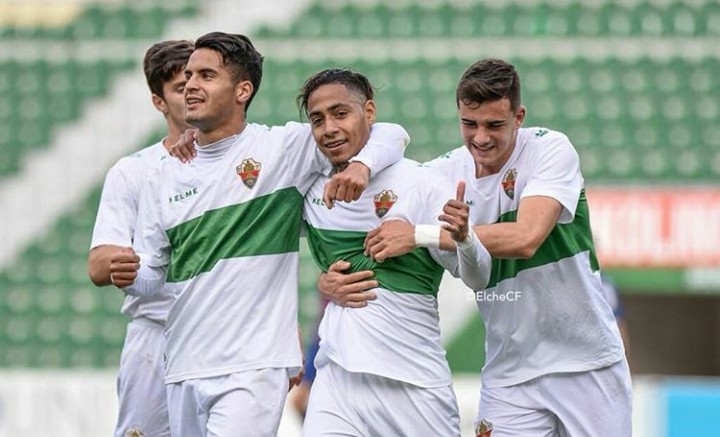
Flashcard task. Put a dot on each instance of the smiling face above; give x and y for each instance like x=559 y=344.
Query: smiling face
x=341 y=121
x=215 y=102
x=489 y=131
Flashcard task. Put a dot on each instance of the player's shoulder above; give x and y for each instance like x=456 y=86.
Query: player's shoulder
x=415 y=177
x=542 y=137
x=541 y=143
x=289 y=128
x=141 y=161
x=405 y=168
x=452 y=159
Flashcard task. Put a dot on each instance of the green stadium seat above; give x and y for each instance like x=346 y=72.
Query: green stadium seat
x=683 y=20
x=710 y=20
x=97 y=20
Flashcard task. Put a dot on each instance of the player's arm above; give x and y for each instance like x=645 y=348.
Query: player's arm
x=385 y=147
x=351 y=290
x=150 y=254
x=536 y=218
x=99 y=264
x=115 y=221
x=550 y=197
x=471 y=261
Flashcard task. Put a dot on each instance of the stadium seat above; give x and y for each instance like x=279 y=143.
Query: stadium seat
x=98 y=20
x=446 y=19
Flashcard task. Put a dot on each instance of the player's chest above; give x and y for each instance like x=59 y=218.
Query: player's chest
x=245 y=178
x=491 y=197
x=364 y=214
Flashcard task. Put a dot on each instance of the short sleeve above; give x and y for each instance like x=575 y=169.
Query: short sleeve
x=556 y=174
x=117 y=210
x=151 y=240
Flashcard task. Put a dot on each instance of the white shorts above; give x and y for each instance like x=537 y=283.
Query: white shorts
x=246 y=403
x=140 y=385
x=594 y=403
x=347 y=404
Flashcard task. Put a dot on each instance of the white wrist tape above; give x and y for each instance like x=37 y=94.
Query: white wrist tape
x=427 y=236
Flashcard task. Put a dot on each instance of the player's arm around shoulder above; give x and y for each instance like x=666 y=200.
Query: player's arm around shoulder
x=385 y=147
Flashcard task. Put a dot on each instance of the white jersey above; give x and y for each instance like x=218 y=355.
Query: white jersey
x=226 y=229
x=546 y=314
x=116 y=217
x=396 y=336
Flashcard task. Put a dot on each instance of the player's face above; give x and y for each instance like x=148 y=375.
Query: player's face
x=489 y=131
x=174 y=98
x=210 y=92
x=340 y=121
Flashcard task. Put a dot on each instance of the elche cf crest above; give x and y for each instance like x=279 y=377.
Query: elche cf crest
x=508 y=182
x=384 y=200
x=249 y=171
x=483 y=429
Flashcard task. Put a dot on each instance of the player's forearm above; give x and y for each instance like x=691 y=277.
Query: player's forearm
x=474 y=263
x=508 y=240
x=149 y=281
x=502 y=240
x=385 y=147
x=99 y=264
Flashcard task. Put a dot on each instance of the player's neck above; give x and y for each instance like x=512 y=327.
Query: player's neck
x=213 y=136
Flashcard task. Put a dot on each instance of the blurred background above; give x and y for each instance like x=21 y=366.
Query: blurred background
x=635 y=84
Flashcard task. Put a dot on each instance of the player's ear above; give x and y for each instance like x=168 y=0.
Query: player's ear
x=243 y=91
x=160 y=104
x=519 y=116
x=369 y=109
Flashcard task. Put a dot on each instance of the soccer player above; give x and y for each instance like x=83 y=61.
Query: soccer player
x=555 y=363
x=381 y=370
x=141 y=390
x=222 y=234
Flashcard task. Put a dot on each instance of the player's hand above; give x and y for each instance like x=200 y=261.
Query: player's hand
x=455 y=215
x=297 y=379
x=351 y=290
x=347 y=185
x=392 y=238
x=124 y=265
x=184 y=148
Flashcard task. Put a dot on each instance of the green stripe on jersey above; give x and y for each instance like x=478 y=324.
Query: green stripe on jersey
x=565 y=241
x=415 y=272
x=262 y=226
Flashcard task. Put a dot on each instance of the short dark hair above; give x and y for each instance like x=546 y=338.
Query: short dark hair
x=238 y=54
x=163 y=61
x=489 y=80
x=352 y=80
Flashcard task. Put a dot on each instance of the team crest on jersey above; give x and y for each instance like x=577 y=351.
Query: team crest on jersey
x=249 y=171
x=135 y=432
x=384 y=200
x=483 y=429
x=508 y=183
